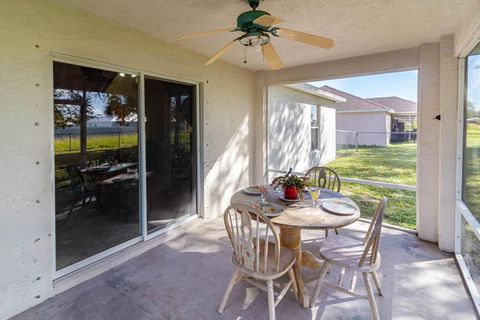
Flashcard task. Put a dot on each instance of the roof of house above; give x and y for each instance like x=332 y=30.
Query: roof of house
x=399 y=105
x=308 y=88
x=353 y=103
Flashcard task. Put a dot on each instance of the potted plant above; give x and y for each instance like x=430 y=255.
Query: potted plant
x=292 y=185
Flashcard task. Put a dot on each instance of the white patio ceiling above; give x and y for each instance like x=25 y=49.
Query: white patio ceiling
x=358 y=27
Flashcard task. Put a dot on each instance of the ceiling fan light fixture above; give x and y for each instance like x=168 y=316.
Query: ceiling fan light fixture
x=255 y=40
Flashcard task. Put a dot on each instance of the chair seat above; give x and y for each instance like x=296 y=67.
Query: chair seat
x=346 y=252
x=287 y=258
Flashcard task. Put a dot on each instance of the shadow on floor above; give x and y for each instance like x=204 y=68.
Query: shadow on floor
x=185 y=278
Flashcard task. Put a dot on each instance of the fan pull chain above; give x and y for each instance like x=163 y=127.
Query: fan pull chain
x=245 y=56
x=263 y=54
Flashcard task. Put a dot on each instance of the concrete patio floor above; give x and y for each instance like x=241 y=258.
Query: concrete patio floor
x=185 y=278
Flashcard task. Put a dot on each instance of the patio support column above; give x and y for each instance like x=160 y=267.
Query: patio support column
x=260 y=114
x=448 y=143
x=428 y=141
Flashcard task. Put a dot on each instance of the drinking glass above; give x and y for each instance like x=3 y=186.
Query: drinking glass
x=314 y=193
x=263 y=195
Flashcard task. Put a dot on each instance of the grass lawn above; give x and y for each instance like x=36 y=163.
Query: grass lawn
x=394 y=164
x=471 y=171
x=64 y=144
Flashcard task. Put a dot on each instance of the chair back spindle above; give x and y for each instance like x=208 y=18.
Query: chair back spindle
x=244 y=226
x=325 y=178
x=372 y=238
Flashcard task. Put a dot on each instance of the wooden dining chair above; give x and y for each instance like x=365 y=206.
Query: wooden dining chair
x=325 y=178
x=355 y=256
x=257 y=254
x=83 y=192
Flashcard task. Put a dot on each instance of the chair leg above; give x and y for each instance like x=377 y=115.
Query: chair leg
x=377 y=283
x=294 y=283
x=371 y=296
x=340 y=278
x=318 y=286
x=271 y=300
x=326 y=233
x=354 y=281
x=84 y=203
x=336 y=231
x=232 y=282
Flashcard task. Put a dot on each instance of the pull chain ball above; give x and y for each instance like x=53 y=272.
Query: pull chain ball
x=245 y=57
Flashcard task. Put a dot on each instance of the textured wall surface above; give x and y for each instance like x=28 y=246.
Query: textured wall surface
x=364 y=123
x=289 y=129
x=327 y=150
x=448 y=144
x=428 y=141
x=26 y=191
x=468 y=31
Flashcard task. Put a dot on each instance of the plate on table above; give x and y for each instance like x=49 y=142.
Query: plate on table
x=269 y=209
x=288 y=200
x=339 y=207
x=254 y=190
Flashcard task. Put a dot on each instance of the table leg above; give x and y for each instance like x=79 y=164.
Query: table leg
x=290 y=238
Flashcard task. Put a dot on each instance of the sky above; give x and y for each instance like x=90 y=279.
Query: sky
x=401 y=84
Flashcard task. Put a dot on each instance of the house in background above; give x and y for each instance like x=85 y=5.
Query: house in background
x=356 y=115
x=373 y=121
x=404 y=120
x=301 y=127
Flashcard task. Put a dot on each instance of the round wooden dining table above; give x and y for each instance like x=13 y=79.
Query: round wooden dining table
x=297 y=216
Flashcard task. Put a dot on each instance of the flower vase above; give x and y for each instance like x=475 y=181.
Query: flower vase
x=291 y=193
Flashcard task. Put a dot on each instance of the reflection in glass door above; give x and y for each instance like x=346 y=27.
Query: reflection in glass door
x=170 y=152
x=96 y=161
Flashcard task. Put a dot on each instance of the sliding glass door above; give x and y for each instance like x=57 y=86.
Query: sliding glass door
x=100 y=178
x=170 y=152
x=96 y=161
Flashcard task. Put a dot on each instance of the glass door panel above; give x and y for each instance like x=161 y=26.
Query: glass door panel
x=170 y=152
x=471 y=154
x=96 y=161
x=469 y=241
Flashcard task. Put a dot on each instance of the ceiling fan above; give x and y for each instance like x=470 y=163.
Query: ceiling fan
x=257 y=28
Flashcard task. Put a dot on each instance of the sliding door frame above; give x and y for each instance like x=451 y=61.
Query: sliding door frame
x=462 y=213
x=198 y=146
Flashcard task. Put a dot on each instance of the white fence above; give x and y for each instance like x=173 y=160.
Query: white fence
x=350 y=141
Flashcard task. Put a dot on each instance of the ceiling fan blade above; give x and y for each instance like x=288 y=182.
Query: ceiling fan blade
x=273 y=59
x=305 y=38
x=206 y=33
x=221 y=52
x=267 y=20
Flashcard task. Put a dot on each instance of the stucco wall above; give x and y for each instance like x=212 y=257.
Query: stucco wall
x=448 y=141
x=371 y=128
x=428 y=141
x=289 y=130
x=327 y=151
x=26 y=192
x=466 y=35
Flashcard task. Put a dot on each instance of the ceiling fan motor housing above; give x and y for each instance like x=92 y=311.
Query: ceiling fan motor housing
x=245 y=21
